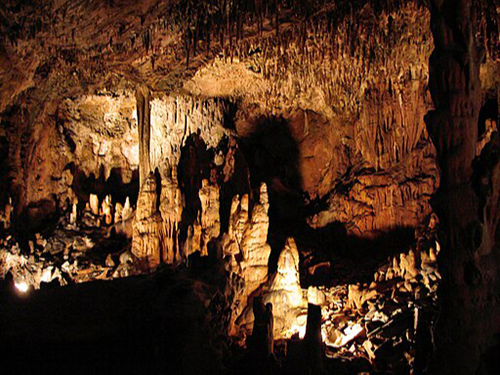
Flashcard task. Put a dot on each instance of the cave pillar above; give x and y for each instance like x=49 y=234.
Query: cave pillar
x=453 y=126
x=142 y=97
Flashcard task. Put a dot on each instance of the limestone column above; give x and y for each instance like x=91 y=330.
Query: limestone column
x=453 y=126
x=142 y=97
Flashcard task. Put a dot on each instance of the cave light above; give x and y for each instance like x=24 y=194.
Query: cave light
x=21 y=286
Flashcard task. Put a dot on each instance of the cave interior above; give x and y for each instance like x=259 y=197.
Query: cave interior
x=241 y=187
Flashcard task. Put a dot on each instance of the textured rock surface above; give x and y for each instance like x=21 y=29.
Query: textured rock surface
x=210 y=217
x=246 y=249
x=469 y=257
x=284 y=292
x=171 y=206
x=146 y=242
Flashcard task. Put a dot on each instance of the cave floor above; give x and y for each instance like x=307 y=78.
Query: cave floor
x=142 y=324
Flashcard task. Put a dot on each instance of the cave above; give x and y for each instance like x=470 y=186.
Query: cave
x=241 y=187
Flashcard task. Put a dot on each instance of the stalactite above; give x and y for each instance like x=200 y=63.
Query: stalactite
x=144 y=126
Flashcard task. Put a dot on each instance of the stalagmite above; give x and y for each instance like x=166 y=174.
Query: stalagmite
x=284 y=291
x=193 y=240
x=147 y=226
x=94 y=204
x=171 y=206
x=106 y=210
x=245 y=247
x=74 y=213
x=118 y=212
x=127 y=211
x=210 y=220
x=8 y=213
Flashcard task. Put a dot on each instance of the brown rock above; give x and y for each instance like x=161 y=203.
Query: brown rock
x=210 y=220
x=147 y=226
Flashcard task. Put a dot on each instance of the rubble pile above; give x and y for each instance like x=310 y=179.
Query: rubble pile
x=72 y=252
x=382 y=322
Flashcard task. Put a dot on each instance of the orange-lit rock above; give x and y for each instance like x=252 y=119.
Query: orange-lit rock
x=246 y=249
x=210 y=218
x=147 y=226
x=171 y=206
x=284 y=292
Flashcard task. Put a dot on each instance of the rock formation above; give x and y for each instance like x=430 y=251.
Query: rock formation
x=466 y=238
x=361 y=119
x=285 y=294
x=210 y=217
x=245 y=248
x=147 y=226
x=171 y=206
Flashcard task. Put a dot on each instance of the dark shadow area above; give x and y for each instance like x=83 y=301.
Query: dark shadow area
x=272 y=156
x=4 y=170
x=84 y=185
x=489 y=110
x=194 y=166
x=155 y=324
x=490 y=360
x=41 y=216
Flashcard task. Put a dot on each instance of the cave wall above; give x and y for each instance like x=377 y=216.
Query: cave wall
x=347 y=87
x=348 y=101
x=345 y=81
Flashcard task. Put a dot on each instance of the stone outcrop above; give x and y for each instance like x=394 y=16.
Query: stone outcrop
x=373 y=203
x=174 y=118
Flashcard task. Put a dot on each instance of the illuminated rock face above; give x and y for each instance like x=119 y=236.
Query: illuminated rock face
x=210 y=217
x=284 y=292
x=246 y=249
x=156 y=222
x=171 y=206
x=147 y=225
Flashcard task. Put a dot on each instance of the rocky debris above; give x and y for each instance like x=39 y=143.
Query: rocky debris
x=127 y=265
x=245 y=248
x=378 y=322
x=210 y=217
x=66 y=256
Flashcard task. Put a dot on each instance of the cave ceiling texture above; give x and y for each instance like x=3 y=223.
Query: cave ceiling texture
x=249 y=186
